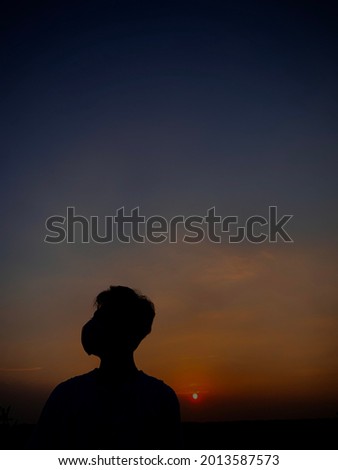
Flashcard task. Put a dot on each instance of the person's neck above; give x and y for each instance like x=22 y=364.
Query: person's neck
x=118 y=368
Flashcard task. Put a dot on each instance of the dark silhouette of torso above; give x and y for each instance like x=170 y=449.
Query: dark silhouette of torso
x=89 y=412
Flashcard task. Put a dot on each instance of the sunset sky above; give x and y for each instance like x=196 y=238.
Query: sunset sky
x=174 y=107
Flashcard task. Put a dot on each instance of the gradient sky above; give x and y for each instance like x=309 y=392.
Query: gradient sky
x=174 y=107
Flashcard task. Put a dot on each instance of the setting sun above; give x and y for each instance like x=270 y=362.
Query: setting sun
x=195 y=396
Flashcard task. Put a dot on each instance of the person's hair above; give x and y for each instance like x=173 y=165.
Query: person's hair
x=121 y=310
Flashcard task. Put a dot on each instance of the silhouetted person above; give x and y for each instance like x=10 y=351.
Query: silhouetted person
x=115 y=406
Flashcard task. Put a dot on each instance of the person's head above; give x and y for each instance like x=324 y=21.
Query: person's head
x=122 y=319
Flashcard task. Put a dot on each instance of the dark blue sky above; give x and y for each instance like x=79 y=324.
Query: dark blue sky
x=227 y=103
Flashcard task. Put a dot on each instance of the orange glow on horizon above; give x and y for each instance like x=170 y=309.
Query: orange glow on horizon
x=235 y=340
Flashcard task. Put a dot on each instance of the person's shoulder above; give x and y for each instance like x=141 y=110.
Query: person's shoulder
x=76 y=382
x=160 y=396
x=156 y=385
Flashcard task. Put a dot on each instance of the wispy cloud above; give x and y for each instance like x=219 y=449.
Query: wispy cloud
x=20 y=369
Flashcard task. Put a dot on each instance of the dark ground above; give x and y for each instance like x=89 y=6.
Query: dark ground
x=231 y=435
x=274 y=434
